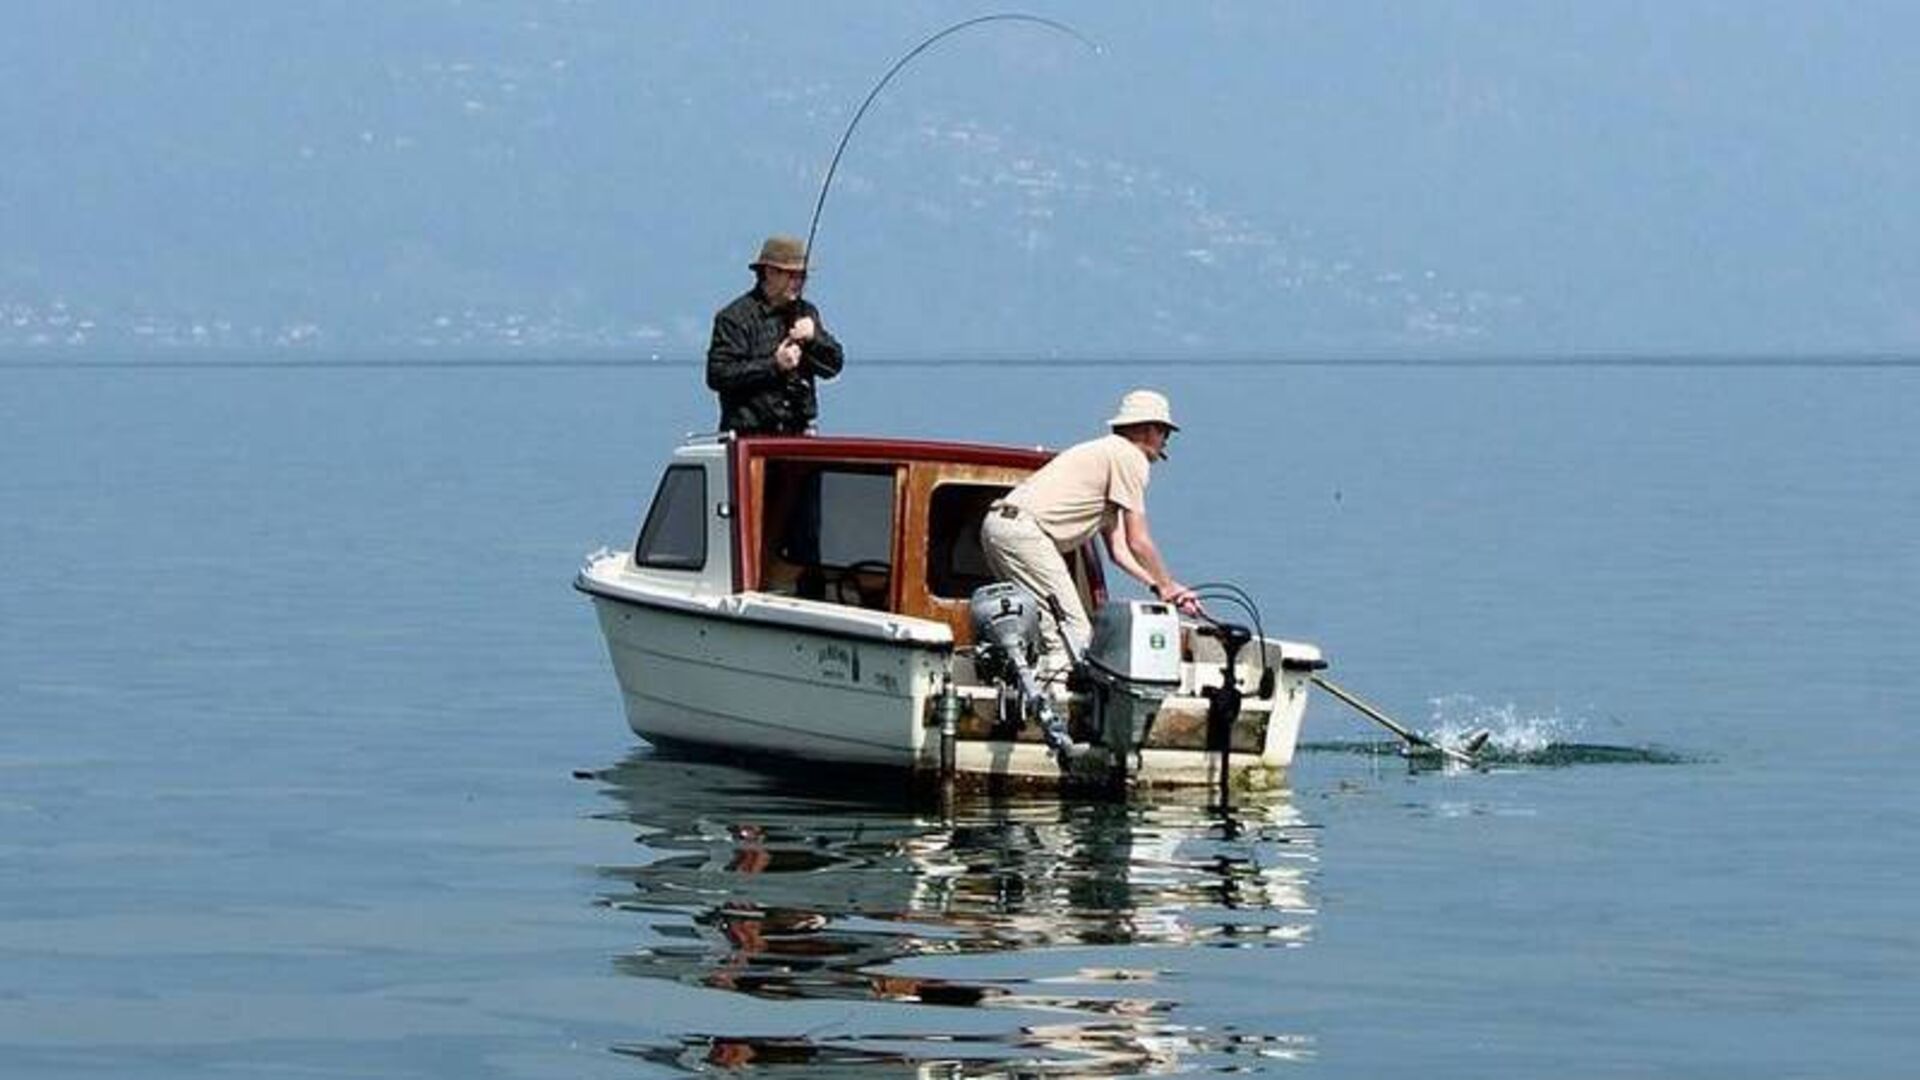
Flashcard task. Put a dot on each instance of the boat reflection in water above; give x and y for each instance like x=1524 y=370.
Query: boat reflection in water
x=1024 y=933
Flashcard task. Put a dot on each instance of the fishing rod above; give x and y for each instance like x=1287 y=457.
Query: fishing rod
x=1009 y=16
x=1227 y=592
x=1463 y=755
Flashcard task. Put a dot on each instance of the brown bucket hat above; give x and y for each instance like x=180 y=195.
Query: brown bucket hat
x=782 y=252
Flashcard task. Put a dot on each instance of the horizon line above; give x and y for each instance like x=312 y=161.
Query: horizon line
x=368 y=361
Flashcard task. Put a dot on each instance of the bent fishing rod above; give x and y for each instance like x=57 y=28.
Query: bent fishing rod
x=813 y=226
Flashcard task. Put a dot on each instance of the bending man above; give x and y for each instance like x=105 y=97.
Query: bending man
x=768 y=347
x=1098 y=486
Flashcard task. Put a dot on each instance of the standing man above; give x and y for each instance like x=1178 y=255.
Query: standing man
x=768 y=347
x=1098 y=486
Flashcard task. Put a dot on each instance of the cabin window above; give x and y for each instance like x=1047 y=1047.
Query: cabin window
x=956 y=564
x=675 y=534
x=828 y=532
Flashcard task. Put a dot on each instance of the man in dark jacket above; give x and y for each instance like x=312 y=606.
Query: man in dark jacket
x=768 y=347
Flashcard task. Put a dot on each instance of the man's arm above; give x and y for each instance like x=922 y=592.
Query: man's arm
x=731 y=362
x=1130 y=527
x=1122 y=555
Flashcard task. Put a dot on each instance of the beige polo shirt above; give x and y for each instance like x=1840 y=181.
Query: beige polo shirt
x=1077 y=494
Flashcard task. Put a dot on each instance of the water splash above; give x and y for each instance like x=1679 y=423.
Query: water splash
x=1515 y=736
x=1456 y=718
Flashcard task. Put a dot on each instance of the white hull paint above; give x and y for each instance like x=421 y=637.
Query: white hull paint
x=769 y=689
x=745 y=674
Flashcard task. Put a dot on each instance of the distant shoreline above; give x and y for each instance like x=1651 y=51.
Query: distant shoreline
x=400 y=361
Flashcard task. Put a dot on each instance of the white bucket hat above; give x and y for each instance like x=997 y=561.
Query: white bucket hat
x=1144 y=407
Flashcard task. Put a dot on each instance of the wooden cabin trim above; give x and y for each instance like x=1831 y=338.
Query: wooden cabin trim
x=899 y=551
x=923 y=480
x=920 y=468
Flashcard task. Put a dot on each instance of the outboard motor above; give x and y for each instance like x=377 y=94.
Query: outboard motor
x=1006 y=630
x=1133 y=663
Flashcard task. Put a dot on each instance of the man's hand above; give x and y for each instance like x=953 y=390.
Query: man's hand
x=802 y=330
x=1181 y=597
x=786 y=356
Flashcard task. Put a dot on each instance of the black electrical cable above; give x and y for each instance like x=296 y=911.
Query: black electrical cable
x=1230 y=593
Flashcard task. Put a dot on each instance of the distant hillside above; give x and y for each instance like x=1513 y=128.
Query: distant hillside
x=1224 y=180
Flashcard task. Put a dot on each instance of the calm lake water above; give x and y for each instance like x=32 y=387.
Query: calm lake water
x=312 y=764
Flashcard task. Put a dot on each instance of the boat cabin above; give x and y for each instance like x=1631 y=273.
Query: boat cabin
x=880 y=524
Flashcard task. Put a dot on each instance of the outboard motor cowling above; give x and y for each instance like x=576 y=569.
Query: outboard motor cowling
x=1137 y=641
x=1006 y=628
x=1133 y=664
x=1006 y=633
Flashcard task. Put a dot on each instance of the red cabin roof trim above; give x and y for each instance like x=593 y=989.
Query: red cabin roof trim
x=865 y=448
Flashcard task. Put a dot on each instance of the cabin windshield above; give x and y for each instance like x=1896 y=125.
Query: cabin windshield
x=828 y=531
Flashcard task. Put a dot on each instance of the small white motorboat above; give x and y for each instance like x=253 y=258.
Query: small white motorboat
x=826 y=600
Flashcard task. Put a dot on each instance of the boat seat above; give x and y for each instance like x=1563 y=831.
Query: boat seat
x=865 y=584
x=783 y=578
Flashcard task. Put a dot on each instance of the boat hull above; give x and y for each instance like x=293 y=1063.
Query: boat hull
x=726 y=684
x=808 y=598
x=739 y=685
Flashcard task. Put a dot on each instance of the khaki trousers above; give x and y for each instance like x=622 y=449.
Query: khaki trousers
x=1019 y=551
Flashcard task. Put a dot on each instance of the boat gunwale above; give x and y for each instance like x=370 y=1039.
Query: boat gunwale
x=867 y=628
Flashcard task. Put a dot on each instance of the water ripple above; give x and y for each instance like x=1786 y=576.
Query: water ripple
x=1025 y=933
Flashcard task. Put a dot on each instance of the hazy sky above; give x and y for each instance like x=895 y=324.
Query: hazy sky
x=1223 y=178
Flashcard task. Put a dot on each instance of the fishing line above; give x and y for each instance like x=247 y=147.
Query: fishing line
x=1011 y=16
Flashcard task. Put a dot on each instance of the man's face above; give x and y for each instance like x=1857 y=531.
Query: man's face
x=1156 y=441
x=1151 y=439
x=782 y=287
